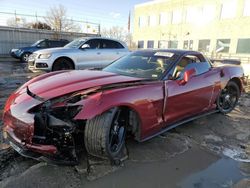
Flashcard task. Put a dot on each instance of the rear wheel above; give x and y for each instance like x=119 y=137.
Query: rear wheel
x=62 y=64
x=228 y=97
x=25 y=57
x=105 y=134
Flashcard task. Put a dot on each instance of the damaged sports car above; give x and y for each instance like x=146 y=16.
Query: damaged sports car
x=139 y=96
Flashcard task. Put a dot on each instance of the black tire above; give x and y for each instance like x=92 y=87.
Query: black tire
x=99 y=132
x=62 y=64
x=228 y=98
x=25 y=57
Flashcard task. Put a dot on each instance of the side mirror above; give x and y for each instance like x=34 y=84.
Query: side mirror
x=85 y=46
x=187 y=75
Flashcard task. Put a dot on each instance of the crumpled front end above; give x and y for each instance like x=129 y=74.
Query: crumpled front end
x=40 y=128
x=47 y=115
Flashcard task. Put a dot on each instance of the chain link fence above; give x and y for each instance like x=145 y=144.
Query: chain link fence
x=19 y=30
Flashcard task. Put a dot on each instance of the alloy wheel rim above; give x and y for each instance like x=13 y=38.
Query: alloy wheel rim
x=117 y=133
x=26 y=57
x=228 y=98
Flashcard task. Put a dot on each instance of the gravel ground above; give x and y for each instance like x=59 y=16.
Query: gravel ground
x=213 y=151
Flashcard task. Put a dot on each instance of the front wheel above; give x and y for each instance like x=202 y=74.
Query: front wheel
x=228 y=98
x=25 y=57
x=62 y=64
x=105 y=134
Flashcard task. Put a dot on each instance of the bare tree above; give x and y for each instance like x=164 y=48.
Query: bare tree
x=40 y=25
x=119 y=33
x=57 y=19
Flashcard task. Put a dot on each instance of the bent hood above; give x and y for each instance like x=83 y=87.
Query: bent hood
x=60 y=83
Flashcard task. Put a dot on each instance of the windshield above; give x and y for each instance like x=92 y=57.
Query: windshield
x=75 y=43
x=144 y=64
x=36 y=43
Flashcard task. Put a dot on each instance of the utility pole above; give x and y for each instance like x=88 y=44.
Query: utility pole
x=15 y=19
x=36 y=21
x=99 y=29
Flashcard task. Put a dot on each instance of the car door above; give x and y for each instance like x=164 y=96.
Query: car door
x=90 y=57
x=192 y=98
x=111 y=50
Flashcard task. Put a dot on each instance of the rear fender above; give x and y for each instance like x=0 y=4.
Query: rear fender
x=232 y=73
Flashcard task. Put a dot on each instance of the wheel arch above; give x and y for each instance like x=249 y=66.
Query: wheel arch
x=238 y=82
x=64 y=57
x=146 y=101
x=25 y=52
x=134 y=121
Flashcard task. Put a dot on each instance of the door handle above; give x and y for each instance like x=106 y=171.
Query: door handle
x=117 y=52
x=98 y=53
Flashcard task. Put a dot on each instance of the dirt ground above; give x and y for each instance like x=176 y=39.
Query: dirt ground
x=210 y=152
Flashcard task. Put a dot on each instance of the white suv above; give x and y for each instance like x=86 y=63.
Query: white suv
x=82 y=53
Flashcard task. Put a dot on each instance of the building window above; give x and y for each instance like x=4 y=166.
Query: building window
x=185 y=44
x=243 y=46
x=152 y=20
x=204 y=45
x=141 y=44
x=162 y=44
x=165 y=18
x=246 y=8
x=228 y=9
x=173 y=44
x=177 y=17
x=142 y=21
x=191 y=42
x=150 y=44
x=223 y=45
x=188 y=45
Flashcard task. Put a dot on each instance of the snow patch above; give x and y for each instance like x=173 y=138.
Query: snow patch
x=237 y=154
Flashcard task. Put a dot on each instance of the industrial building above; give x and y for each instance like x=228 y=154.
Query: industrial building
x=215 y=27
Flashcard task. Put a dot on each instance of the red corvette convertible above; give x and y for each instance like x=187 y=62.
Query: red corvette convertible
x=141 y=95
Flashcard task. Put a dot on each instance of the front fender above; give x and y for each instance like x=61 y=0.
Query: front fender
x=145 y=100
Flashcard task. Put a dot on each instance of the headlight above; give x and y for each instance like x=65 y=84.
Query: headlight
x=14 y=50
x=44 y=56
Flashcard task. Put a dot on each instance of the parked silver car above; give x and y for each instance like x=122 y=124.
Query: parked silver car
x=82 y=53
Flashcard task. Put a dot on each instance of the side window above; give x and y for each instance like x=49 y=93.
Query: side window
x=43 y=44
x=188 y=62
x=58 y=43
x=53 y=44
x=109 y=44
x=63 y=43
x=94 y=43
x=200 y=68
x=49 y=43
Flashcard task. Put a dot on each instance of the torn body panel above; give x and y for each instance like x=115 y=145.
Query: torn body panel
x=55 y=124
